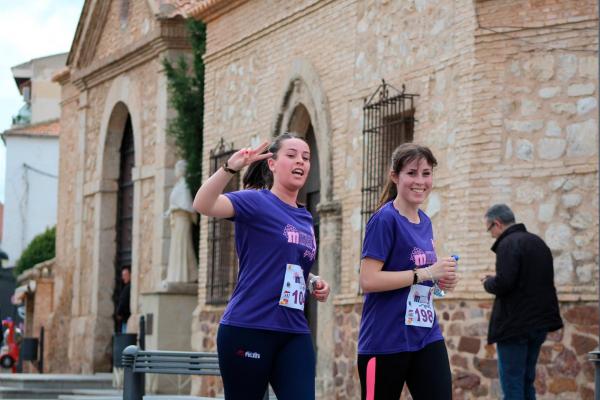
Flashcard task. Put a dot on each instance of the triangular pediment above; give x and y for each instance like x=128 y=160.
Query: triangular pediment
x=106 y=26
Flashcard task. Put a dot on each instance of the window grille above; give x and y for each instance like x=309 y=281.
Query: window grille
x=222 y=258
x=388 y=121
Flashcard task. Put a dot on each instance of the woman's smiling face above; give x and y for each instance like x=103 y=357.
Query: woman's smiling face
x=414 y=181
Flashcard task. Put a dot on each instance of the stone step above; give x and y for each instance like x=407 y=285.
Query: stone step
x=91 y=394
x=20 y=393
x=41 y=393
x=56 y=381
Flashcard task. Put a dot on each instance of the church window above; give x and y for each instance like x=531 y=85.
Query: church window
x=222 y=258
x=388 y=121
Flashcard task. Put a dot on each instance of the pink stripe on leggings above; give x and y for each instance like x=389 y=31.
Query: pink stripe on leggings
x=371 y=379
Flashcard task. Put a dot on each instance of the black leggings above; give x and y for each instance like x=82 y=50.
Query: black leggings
x=249 y=359
x=426 y=373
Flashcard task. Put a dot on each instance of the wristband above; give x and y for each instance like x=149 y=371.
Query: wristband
x=230 y=170
x=415 y=276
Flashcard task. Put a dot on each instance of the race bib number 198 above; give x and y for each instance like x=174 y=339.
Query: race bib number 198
x=294 y=288
x=419 y=306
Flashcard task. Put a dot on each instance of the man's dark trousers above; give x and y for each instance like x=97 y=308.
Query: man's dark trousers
x=517 y=358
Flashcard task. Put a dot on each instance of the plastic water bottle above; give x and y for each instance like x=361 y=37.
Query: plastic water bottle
x=437 y=291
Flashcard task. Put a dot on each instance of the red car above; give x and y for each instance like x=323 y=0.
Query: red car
x=9 y=352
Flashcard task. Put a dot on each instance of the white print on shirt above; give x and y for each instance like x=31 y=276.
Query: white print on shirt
x=300 y=238
x=247 y=354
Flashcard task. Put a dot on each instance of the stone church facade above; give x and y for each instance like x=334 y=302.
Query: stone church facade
x=503 y=91
x=505 y=96
x=116 y=173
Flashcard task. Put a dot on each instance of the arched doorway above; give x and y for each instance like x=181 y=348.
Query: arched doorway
x=114 y=227
x=124 y=220
x=304 y=109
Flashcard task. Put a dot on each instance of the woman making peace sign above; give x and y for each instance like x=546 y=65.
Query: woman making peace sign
x=264 y=336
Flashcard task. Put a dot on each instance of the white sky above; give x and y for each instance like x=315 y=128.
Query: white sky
x=29 y=29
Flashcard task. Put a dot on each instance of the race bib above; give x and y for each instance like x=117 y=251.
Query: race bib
x=419 y=306
x=294 y=288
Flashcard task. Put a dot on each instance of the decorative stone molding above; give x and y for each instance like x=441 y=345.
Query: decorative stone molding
x=170 y=35
x=303 y=87
x=208 y=10
x=120 y=102
x=332 y=208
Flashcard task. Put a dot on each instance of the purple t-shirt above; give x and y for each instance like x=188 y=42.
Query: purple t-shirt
x=401 y=245
x=269 y=234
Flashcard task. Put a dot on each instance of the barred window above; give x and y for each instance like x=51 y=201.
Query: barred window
x=388 y=121
x=222 y=258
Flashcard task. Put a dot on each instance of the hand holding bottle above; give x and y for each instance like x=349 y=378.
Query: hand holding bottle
x=448 y=283
x=444 y=268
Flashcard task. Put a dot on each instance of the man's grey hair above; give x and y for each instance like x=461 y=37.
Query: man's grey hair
x=500 y=212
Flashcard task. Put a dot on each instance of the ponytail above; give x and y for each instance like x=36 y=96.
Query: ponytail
x=258 y=175
x=390 y=191
x=404 y=154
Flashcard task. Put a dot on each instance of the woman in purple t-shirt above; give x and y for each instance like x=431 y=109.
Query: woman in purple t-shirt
x=400 y=340
x=263 y=336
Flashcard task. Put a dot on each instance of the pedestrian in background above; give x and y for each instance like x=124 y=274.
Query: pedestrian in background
x=123 y=311
x=526 y=306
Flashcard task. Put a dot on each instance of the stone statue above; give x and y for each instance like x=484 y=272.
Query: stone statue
x=182 y=265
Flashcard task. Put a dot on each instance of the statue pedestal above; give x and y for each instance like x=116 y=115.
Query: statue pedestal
x=168 y=312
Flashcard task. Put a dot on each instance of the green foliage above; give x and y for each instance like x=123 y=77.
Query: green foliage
x=41 y=248
x=186 y=90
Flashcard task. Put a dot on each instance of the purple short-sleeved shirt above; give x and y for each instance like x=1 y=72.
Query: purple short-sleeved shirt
x=269 y=234
x=401 y=245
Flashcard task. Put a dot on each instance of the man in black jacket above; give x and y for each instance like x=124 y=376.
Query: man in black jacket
x=526 y=305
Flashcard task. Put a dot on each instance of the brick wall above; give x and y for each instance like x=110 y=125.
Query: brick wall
x=511 y=117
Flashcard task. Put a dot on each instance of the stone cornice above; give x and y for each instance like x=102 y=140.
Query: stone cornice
x=170 y=35
x=62 y=76
x=93 y=33
x=78 y=32
x=209 y=10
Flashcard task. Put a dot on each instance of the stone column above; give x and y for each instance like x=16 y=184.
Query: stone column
x=330 y=229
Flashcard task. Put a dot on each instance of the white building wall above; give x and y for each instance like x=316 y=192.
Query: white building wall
x=31 y=191
x=44 y=92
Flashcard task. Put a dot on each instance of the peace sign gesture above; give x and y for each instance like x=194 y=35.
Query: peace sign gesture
x=247 y=156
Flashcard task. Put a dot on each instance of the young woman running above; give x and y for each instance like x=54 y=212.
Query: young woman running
x=400 y=340
x=263 y=336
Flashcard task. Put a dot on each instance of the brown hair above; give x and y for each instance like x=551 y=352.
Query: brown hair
x=404 y=154
x=258 y=175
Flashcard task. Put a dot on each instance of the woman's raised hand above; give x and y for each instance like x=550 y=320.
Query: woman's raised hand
x=247 y=156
